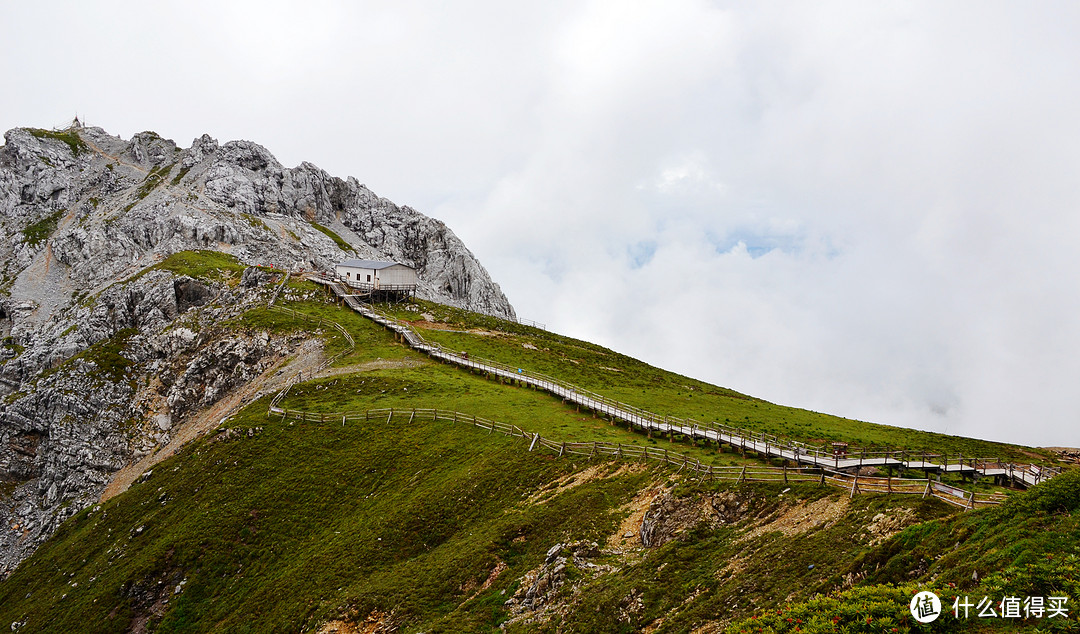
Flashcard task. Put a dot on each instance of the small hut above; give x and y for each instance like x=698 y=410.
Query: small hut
x=379 y=281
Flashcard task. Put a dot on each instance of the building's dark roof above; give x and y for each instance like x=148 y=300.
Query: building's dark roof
x=371 y=264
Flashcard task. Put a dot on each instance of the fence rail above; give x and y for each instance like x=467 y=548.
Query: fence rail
x=277 y=291
x=529 y=322
x=682 y=462
x=761 y=443
x=764 y=444
x=296 y=378
x=319 y=320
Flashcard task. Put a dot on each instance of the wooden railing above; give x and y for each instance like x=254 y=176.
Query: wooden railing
x=765 y=444
x=299 y=376
x=277 y=291
x=534 y=324
x=924 y=487
x=319 y=320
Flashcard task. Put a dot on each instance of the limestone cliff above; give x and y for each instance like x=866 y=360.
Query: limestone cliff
x=102 y=353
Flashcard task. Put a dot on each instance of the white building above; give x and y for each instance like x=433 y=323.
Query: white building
x=371 y=275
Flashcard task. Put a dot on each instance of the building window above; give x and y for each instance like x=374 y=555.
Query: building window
x=348 y=276
x=369 y=278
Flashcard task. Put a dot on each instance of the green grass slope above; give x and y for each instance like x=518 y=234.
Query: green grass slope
x=1027 y=547
x=297 y=524
x=636 y=383
x=275 y=531
x=275 y=525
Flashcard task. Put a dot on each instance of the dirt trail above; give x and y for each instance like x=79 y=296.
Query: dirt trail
x=273 y=379
x=378 y=364
x=95 y=147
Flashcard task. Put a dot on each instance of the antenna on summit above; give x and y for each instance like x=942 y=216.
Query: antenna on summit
x=71 y=124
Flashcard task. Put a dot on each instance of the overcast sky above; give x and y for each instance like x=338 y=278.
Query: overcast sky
x=866 y=209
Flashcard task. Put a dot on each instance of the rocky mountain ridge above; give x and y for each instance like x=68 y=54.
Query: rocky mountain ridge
x=107 y=348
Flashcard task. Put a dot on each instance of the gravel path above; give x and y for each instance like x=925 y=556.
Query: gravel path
x=271 y=381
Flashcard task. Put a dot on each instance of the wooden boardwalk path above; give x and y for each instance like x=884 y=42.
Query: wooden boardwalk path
x=765 y=445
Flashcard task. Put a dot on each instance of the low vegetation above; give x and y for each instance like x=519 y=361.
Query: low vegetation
x=206 y=265
x=256 y=222
x=419 y=526
x=12 y=347
x=636 y=383
x=180 y=174
x=107 y=355
x=328 y=516
x=39 y=232
x=69 y=137
x=155 y=177
x=344 y=246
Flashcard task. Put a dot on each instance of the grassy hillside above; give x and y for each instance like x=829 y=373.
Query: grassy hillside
x=636 y=383
x=268 y=525
x=349 y=521
x=1028 y=547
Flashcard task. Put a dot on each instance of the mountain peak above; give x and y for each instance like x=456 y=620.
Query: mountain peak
x=122 y=204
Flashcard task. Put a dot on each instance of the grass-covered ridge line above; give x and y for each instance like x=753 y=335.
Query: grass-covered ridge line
x=69 y=137
x=372 y=342
x=315 y=516
x=1029 y=546
x=638 y=384
x=284 y=525
x=206 y=265
x=344 y=246
x=413 y=521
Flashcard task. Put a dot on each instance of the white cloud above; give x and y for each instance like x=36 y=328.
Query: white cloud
x=873 y=206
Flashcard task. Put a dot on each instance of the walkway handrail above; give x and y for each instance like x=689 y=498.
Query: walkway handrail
x=296 y=378
x=771 y=445
x=823 y=475
x=277 y=291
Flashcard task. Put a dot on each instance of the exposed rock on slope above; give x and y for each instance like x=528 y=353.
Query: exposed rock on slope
x=103 y=353
x=80 y=208
x=67 y=429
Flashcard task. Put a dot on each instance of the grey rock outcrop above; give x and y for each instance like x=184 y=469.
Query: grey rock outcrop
x=104 y=352
x=112 y=208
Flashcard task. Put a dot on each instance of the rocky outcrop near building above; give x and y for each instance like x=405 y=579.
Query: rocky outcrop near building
x=159 y=357
x=104 y=352
x=101 y=208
